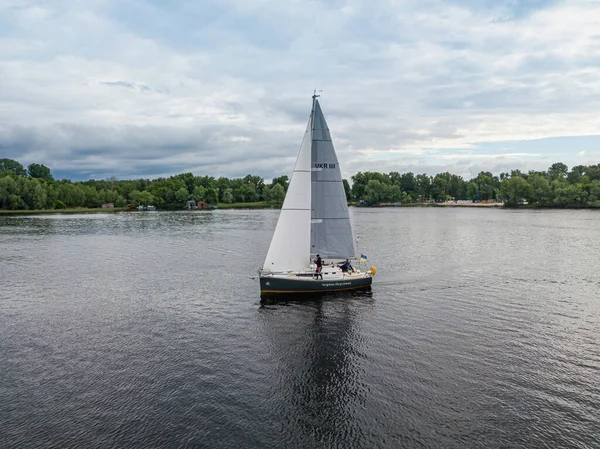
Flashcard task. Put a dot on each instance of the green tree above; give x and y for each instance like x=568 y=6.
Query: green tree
x=471 y=190
x=12 y=166
x=457 y=187
x=199 y=193
x=227 y=196
x=391 y=193
x=188 y=180
x=110 y=196
x=36 y=196
x=576 y=174
x=39 y=171
x=361 y=180
x=515 y=190
x=408 y=183
x=540 y=193
x=92 y=199
x=277 y=194
x=566 y=195
x=440 y=187
x=594 y=195
x=558 y=170
x=283 y=181
x=487 y=185
x=212 y=195
x=51 y=195
x=423 y=187
x=267 y=194
x=405 y=198
x=374 y=192
x=142 y=198
x=358 y=186
x=182 y=195
x=9 y=193
x=240 y=194
x=254 y=185
x=70 y=194
x=347 y=190
x=223 y=183
x=593 y=172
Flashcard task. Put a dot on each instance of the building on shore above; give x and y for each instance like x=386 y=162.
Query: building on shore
x=193 y=205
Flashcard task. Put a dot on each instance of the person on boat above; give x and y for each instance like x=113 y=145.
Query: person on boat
x=319 y=264
x=346 y=266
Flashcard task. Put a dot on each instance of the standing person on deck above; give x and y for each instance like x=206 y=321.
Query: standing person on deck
x=319 y=264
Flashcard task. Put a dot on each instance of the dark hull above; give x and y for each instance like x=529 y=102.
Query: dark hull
x=273 y=285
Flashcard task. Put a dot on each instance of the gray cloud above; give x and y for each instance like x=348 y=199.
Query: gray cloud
x=224 y=88
x=150 y=151
x=139 y=87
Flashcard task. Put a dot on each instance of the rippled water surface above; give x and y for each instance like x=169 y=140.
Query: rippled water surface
x=146 y=330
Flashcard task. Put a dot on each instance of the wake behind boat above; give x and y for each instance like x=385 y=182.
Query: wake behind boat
x=314 y=220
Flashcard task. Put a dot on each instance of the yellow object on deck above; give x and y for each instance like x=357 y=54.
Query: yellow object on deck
x=373 y=270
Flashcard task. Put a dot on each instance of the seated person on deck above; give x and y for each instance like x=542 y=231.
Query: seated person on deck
x=346 y=266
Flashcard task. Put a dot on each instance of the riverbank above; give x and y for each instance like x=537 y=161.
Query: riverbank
x=450 y=204
x=78 y=210
x=453 y=204
x=489 y=205
x=254 y=205
x=265 y=205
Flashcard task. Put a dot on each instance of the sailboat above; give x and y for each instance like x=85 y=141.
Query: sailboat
x=314 y=221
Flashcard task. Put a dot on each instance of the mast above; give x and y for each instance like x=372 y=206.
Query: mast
x=331 y=229
x=312 y=110
x=314 y=100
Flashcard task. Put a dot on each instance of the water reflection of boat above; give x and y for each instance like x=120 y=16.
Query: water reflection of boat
x=319 y=384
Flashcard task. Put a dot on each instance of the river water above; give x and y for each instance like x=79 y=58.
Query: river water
x=145 y=330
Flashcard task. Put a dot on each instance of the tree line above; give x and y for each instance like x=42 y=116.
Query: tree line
x=34 y=187
x=556 y=187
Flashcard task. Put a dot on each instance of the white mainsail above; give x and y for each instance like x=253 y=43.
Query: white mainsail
x=331 y=229
x=314 y=218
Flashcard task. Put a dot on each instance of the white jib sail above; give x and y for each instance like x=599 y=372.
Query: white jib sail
x=290 y=245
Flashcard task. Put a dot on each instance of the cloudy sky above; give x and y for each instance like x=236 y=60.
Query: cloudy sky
x=131 y=88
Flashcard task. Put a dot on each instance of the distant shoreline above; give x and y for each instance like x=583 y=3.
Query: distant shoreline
x=263 y=205
x=446 y=204
x=82 y=210
x=482 y=205
x=252 y=205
